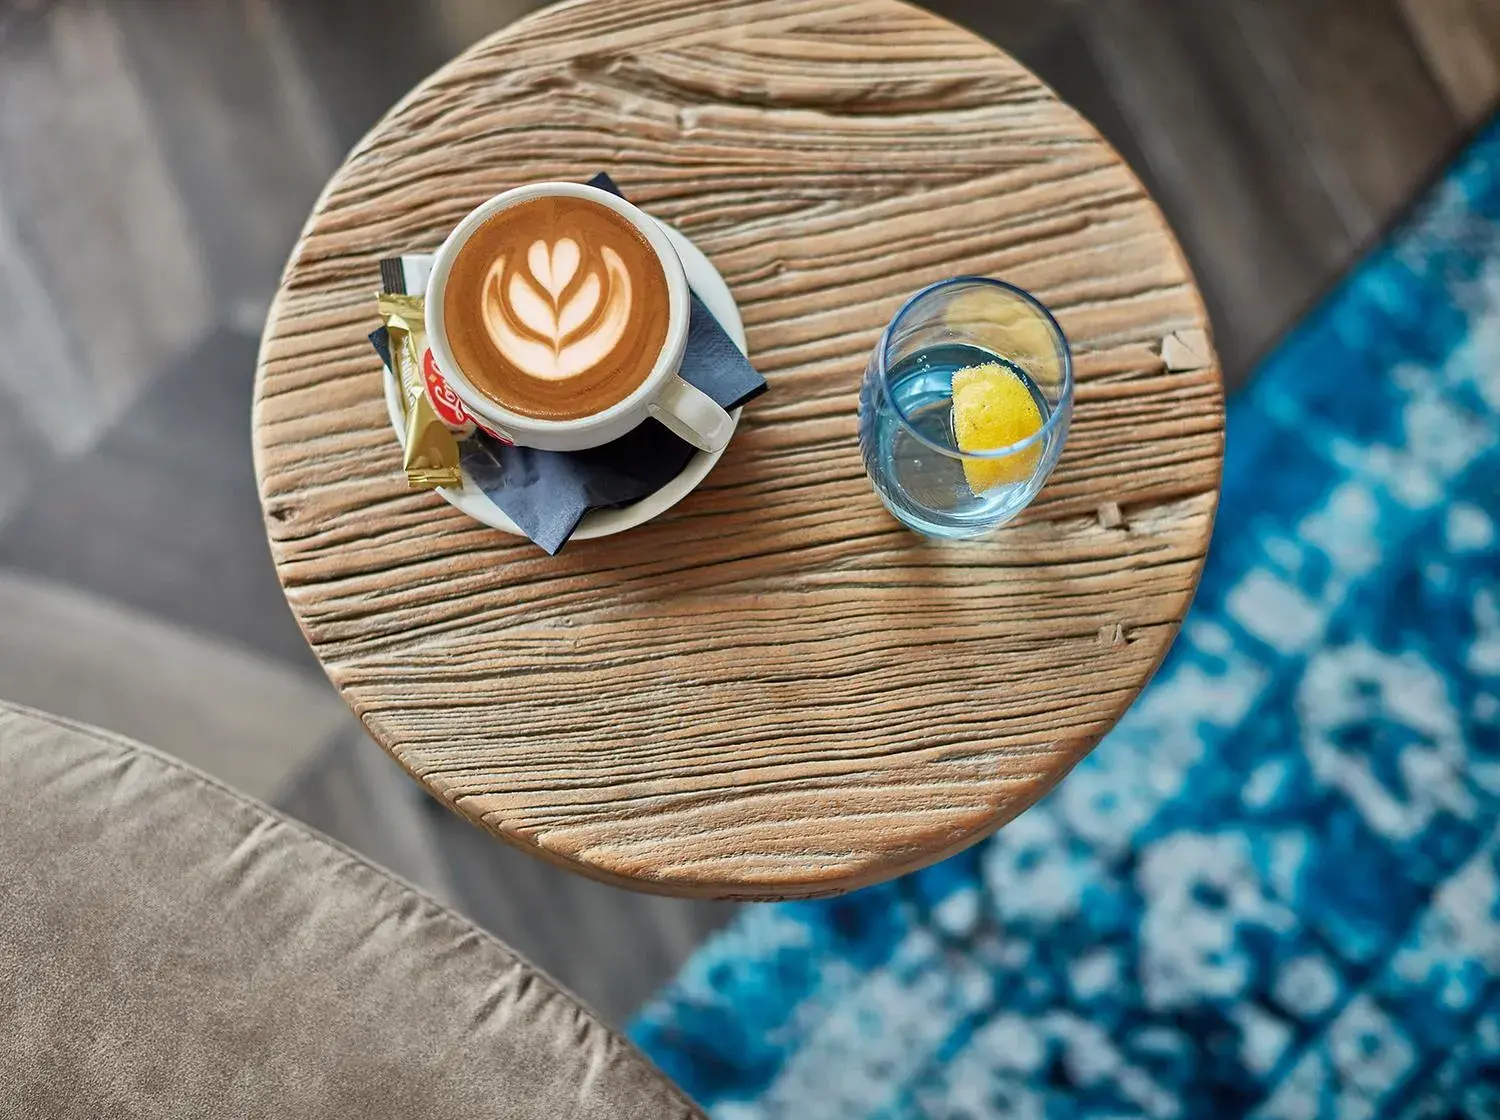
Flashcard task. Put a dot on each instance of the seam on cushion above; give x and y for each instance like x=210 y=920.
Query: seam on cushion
x=307 y=832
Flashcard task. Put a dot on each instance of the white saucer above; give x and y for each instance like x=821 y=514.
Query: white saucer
x=710 y=287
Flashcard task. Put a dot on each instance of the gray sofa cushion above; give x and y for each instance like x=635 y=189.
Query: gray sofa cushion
x=169 y=948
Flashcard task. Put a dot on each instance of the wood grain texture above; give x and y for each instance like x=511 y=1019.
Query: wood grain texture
x=1460 y=40
x=1354 y=89
x=1281 y=135
x=773 y=690
x=87 y=209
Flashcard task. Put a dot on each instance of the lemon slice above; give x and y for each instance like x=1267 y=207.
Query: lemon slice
x=993 y=408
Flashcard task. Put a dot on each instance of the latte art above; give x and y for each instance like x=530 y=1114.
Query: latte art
x=557 y=315
x=556 y=308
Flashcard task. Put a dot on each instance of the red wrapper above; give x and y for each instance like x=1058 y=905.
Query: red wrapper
x=448 y=406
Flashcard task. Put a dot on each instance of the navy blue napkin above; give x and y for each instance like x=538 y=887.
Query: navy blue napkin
x=546 y=493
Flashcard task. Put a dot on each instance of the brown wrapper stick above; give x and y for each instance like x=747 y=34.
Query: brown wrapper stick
x=431 y=458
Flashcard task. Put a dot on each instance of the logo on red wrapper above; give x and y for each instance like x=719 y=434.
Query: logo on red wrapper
x=446 y=403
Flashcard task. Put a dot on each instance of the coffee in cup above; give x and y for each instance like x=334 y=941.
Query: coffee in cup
x=558 y=313
x=557 y=308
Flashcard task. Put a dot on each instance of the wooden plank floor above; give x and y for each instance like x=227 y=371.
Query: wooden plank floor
x=157 y=158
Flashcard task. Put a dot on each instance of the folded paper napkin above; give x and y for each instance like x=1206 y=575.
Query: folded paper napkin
x=546 y=493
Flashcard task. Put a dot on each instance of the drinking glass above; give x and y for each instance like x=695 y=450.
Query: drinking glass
x=906 y=422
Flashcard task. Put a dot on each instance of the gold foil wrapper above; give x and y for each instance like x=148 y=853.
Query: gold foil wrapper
x=431 y=448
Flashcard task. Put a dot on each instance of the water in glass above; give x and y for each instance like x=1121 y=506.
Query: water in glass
x=912 y=452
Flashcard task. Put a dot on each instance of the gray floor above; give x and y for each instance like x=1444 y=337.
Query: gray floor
x=157 y=158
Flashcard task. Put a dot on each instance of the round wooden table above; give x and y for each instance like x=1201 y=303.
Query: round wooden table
x=773 y=690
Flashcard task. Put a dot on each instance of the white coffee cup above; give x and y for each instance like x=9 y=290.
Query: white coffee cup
x=688 y=411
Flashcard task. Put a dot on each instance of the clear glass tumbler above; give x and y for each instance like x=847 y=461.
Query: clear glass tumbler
x=942 y=472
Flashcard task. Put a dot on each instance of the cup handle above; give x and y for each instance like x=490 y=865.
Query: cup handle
x=693 y=415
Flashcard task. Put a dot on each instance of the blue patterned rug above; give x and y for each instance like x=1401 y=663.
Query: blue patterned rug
x=1274 y=890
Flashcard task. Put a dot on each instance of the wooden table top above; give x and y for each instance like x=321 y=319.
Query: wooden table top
x=773 y=690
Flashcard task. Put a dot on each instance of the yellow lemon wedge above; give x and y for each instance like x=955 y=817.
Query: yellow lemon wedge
x=993 y=408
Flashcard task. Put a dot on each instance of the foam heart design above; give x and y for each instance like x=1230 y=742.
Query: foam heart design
x=552 y=270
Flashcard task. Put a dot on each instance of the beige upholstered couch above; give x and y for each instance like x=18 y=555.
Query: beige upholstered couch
x=169 y=948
